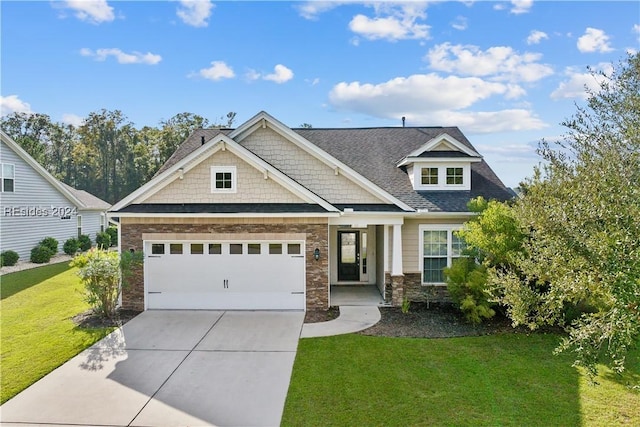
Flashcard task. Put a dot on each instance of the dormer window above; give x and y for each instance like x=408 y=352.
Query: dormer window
x=455 y=176
x=429 y=176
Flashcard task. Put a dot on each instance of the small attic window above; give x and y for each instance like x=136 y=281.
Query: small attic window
x=454 y=176
x=223 y=179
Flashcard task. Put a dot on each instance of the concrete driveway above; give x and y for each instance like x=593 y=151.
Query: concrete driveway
x=172 y=368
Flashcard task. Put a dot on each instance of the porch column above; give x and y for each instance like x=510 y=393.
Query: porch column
x=386 y=248
x=397 y=278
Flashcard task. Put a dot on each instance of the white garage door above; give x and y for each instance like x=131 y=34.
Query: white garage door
x=235 y=275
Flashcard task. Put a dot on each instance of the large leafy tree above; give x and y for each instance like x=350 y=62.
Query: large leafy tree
x=581 y=211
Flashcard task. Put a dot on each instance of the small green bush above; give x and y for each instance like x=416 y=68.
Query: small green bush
x=466 y=282
x=85 y=242
x=8 y=258
x=41 y=254
x=71 y=246
x=51 y=243
x=113 y=232
x=103 y=240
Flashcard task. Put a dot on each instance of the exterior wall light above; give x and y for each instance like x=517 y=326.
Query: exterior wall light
x=316 y=254
x=181 y=170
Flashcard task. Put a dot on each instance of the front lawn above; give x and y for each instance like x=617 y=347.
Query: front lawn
x=36 y=331
x=498 y=380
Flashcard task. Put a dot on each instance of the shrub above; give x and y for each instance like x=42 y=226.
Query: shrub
x=41 y=254
x=50 y=243
x=102 y=273
x=466 y=282
x=8 y=258
x=85 y=242
x=103 y=240
x=113 y=232
x=71 y=246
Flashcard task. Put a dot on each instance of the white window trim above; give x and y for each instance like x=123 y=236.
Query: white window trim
x=449 y=228
x=79 y=225
x=224 y=169
x=442 y=176
x=2 y=177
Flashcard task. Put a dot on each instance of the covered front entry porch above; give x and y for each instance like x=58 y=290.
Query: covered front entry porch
x=365 y=254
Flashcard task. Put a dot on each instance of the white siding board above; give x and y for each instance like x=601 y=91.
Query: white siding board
x=21 y=234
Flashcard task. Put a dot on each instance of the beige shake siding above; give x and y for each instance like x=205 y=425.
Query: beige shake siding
x=195 y=187
x=306 y=169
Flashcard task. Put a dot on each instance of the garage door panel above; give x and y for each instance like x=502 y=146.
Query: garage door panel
x=227 y=275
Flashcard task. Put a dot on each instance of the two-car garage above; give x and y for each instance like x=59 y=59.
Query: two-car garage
x=224 y=274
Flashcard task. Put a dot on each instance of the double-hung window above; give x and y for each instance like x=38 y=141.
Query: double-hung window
x=223 y=179
x=8 y=172
x=439 y=246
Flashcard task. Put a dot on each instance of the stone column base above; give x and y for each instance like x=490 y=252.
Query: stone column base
x=397 y=290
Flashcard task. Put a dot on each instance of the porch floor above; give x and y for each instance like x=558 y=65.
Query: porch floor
x=356 y=295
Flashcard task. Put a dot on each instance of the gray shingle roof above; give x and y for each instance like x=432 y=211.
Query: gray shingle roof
x=89 y=201
x=375 y=152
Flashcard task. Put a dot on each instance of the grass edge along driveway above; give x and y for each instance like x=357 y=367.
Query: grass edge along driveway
x=499 y=380
x=37 y=333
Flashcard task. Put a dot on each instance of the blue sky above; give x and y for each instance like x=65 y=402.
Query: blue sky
x=507 y=73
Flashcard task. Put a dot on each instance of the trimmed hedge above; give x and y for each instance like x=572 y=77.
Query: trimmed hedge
x=8 y=258
x=113 y=232
x=103 y=240
x=85 y=242
x=71 y=246
x=50 y=243
x=41 y=254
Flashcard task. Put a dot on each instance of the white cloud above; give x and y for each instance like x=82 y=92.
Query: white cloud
x=536 y=37
x=252 y=75
x=574 y=86
x=311 y=9
x=393 y=21
x=219 y=70
x=281 y=74
x=93 y=11
x=499 y=62
x=72 y=119
x=12 y=104
x=594 y=40
x=435 y=100
x=513 y=151
x=122 y=57
x=195 y=12
x=521 y=6
x=460 y=23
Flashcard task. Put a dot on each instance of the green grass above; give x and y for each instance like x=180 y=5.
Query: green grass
x=501 y=380
x=36 y=331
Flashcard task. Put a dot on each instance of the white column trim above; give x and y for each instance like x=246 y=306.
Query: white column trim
x=386 y=247
x=396 y=264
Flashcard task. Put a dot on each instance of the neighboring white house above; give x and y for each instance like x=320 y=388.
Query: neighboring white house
x=35 y=205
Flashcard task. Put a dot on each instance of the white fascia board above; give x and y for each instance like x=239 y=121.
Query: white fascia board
x=225 y=215
x=429 y=145
x=421 y=160
x=433 y=215
x=366 y=218
x=263 y=119
x=42 y=171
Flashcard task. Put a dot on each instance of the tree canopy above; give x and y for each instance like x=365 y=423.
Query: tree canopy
x=106 y=155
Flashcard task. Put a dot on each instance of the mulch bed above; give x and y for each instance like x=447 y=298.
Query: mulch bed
x=90 y=320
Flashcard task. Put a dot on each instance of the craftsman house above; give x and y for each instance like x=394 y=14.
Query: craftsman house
x=269 y=217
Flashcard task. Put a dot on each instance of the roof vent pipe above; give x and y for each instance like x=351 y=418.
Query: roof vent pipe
x=403 y=119
x=202 y=139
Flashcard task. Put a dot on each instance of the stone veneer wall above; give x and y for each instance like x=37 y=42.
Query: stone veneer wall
x=415 y=291
x=317 y=272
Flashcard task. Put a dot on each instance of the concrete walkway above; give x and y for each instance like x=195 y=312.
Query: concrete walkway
x=351 y=319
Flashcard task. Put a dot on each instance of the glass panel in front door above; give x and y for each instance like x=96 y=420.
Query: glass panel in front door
x=348 y=255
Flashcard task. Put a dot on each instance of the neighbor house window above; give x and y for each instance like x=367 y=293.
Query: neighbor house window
x=223 y=179
x=429 y=176
x=8 y=172
x=79 y=225
x=439 y=247
x=454 y=176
